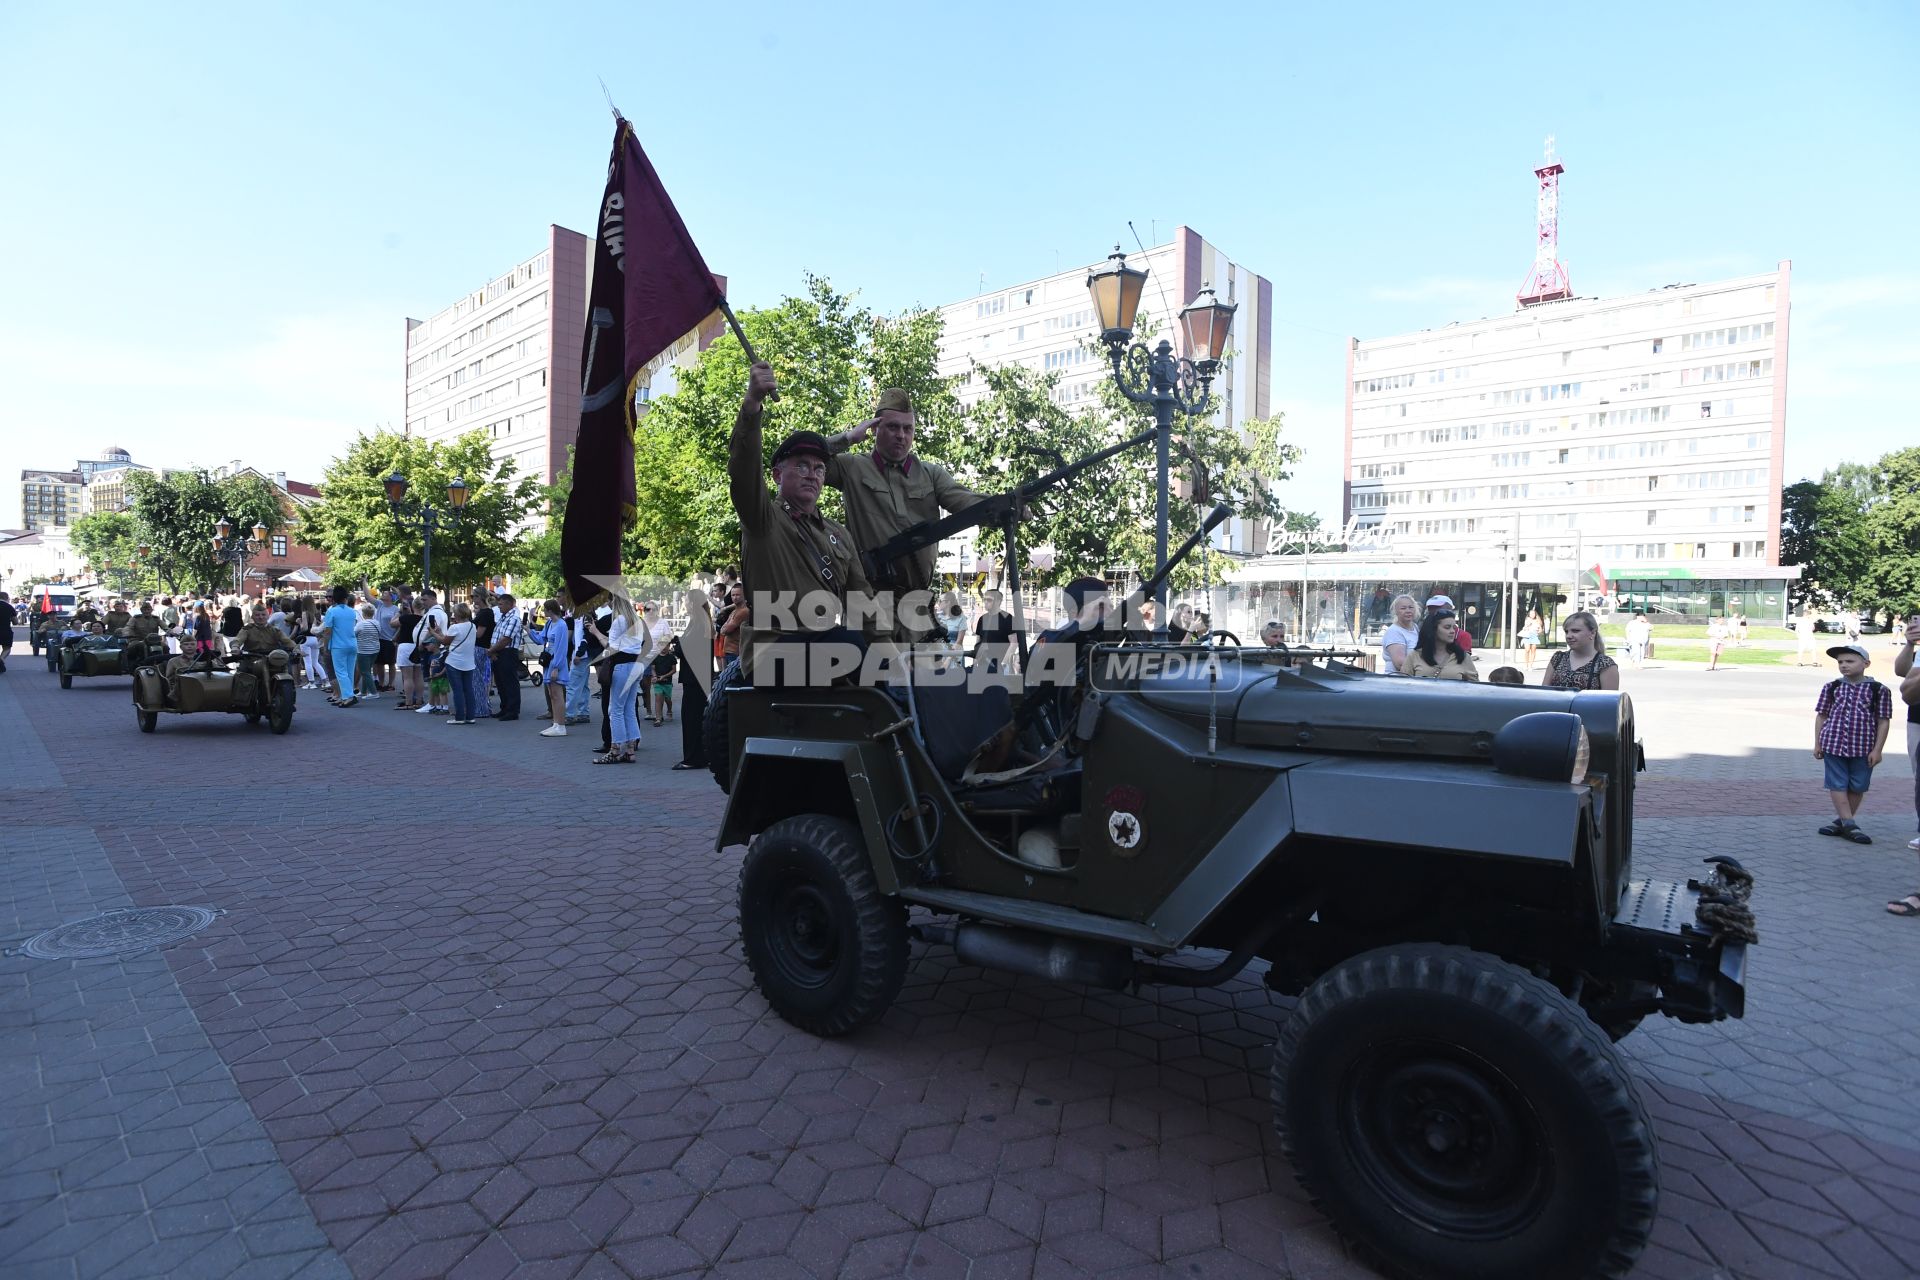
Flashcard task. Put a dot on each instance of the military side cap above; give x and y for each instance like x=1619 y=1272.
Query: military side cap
x=802 y=442
x=893 y=400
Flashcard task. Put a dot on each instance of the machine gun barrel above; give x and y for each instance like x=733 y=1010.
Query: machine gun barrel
x=999 y=509
x=1150 y=589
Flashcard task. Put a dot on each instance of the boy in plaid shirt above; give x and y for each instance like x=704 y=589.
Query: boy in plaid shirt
x=1850 y=723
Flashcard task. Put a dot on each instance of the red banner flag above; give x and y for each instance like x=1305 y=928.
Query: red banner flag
x=652 y=293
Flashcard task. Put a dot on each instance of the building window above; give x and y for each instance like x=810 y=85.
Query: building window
x=1706 y=408
x=280 y=543
x=1656 y=345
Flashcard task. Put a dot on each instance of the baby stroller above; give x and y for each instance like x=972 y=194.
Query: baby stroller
x=532 y=657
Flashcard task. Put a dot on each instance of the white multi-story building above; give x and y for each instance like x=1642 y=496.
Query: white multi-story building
x=55 y=499
x=107 y=488
x=51 y=499
x=1640 y=437
x=505 y=360
x=35 y=556
x=1049 y=325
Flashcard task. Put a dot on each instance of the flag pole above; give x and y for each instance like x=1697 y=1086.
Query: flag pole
x=733 y=322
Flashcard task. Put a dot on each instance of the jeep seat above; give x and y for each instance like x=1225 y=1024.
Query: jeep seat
x=956 y=721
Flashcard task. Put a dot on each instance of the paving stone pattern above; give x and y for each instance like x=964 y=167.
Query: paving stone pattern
x=477 y=1008
x=128 y=1150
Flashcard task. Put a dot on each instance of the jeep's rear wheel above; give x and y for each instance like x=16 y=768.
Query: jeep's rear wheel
x=713 y=726
x=148 y=719
x=1457 y=1117
x=826 y=947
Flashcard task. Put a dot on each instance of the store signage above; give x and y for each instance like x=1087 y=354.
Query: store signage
x=1638 y=574
x=1377 y=537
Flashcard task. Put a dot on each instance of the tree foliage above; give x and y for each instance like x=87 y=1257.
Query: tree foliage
x=1102 y=521
x=831 y=357
x=354 y=526
x=1236 y=463
x=1891 y=579
x=1856 y=534
x=1823 y=530
x=175 y=513
x=1017 y=431
x=110 y=542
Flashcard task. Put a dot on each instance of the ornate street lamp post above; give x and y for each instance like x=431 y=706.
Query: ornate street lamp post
x=1158 y=377
x=228 y=549
x=418 y=517
x=120 y=574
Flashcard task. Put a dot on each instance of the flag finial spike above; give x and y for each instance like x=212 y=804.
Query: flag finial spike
x=609 y=95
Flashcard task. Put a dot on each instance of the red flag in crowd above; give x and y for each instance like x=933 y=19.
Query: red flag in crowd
x=652 y=293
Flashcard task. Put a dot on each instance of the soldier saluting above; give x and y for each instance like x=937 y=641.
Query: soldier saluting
x=889 y=491
x=789 y=552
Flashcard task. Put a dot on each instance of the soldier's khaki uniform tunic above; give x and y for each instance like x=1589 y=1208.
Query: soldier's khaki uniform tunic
x=774 y=540
x=257 y=639
x=142 y=626
x=118 y=619
x=885 y=499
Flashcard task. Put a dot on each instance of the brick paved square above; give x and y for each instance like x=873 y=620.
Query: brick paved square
x=477 y=1009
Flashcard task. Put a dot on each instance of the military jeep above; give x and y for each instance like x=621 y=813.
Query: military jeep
x=1439 y=872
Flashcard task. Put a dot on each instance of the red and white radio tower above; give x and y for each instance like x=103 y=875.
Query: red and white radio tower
x=1548 y=280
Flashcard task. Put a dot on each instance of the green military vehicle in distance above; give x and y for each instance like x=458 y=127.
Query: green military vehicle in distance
x=95 y=655
x=44 y=635
x=1440 y=873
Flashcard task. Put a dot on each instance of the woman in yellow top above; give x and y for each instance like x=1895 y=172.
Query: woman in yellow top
x=1438 y=653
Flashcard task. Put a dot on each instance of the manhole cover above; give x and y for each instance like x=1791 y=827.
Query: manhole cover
x=127 y=932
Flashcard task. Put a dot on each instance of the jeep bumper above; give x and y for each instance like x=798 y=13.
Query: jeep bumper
x=1701 y=972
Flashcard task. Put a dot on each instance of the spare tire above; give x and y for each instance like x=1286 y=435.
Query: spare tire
x=713 y=727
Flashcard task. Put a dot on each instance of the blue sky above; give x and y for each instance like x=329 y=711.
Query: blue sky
x=215 y=218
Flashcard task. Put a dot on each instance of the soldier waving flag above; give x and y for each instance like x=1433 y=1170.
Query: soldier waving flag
x=652 y=294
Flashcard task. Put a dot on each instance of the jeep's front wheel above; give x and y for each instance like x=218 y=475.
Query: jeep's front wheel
x=1457 y=1117
x=826 y=947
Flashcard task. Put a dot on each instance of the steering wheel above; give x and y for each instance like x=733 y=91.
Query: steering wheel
x=1222 y=635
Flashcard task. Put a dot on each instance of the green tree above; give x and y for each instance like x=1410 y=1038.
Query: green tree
x=1239 y=464
x=1890 y=579
x=831 y=357
x=175 y=514
x=1097 y=521
x=354 y=526
x=112 y=538
x=539 y=573
x=1823 y=529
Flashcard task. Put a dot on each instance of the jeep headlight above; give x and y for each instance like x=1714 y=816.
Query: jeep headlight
x=1551 y=745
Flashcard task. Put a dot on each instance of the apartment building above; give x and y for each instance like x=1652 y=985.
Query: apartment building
x=1638 y=438
x=504 y=359
x=1048 y=324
